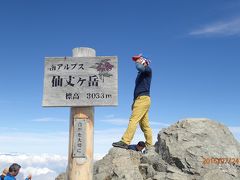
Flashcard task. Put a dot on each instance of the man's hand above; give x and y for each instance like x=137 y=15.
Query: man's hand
x=142 y=61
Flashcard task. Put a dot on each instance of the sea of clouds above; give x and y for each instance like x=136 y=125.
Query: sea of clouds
x=42 y=167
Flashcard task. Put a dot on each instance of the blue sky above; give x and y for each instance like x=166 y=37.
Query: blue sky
x=193 y=46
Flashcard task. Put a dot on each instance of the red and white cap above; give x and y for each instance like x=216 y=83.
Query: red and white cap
x=136 y=57
x=144 y=59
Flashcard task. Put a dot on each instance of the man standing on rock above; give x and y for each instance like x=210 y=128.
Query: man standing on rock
x=141 y=104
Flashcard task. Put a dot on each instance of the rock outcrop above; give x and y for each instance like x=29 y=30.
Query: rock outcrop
x=192 y=145
x=118 y=164
x=61 y=176
x=192 y=149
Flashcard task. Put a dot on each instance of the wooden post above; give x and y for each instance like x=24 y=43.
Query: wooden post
x=81 y=82
x=81 y=168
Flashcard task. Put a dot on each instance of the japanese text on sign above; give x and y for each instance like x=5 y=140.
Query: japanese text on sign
x=79 y=143
x=81 y=81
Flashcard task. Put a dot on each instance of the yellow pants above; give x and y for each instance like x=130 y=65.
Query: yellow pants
x=139 y=115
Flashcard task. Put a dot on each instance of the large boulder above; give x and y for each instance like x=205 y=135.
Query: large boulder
x=198 y=146
x=192 y=149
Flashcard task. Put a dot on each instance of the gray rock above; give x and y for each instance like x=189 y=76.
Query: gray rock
x=119 y=164
x=160 y=176
x=154 y=159
x=61 y=176
x=147 y=171
x=218 y=174
x=179 y=154
x=187 y=143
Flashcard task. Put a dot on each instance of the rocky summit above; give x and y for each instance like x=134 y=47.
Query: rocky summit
x=191 y=149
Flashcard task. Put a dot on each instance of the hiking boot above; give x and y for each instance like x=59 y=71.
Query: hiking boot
x=120 y=144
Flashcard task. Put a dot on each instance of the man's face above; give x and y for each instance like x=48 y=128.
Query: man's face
x=15 y=173
x=140 y=148
x=139 y=60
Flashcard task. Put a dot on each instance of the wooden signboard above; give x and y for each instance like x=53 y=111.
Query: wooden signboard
x=80 y=81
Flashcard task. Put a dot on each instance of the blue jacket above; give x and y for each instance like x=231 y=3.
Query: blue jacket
x=143 y=81
x=132 y=147
x=10 y=177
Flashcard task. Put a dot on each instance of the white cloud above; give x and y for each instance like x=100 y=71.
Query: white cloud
x=224 y=28
x=159 y=124
x=110 y=116
x=124 y=122
x=98 y=156
x=43 y=166
x=116 y=121
x=7 y=129
x=49 y=119
x=31 y=159
x=235 y=129
x=34 y=142
x=36 y=171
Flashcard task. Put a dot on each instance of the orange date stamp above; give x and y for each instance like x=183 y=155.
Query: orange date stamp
x=212 y=160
